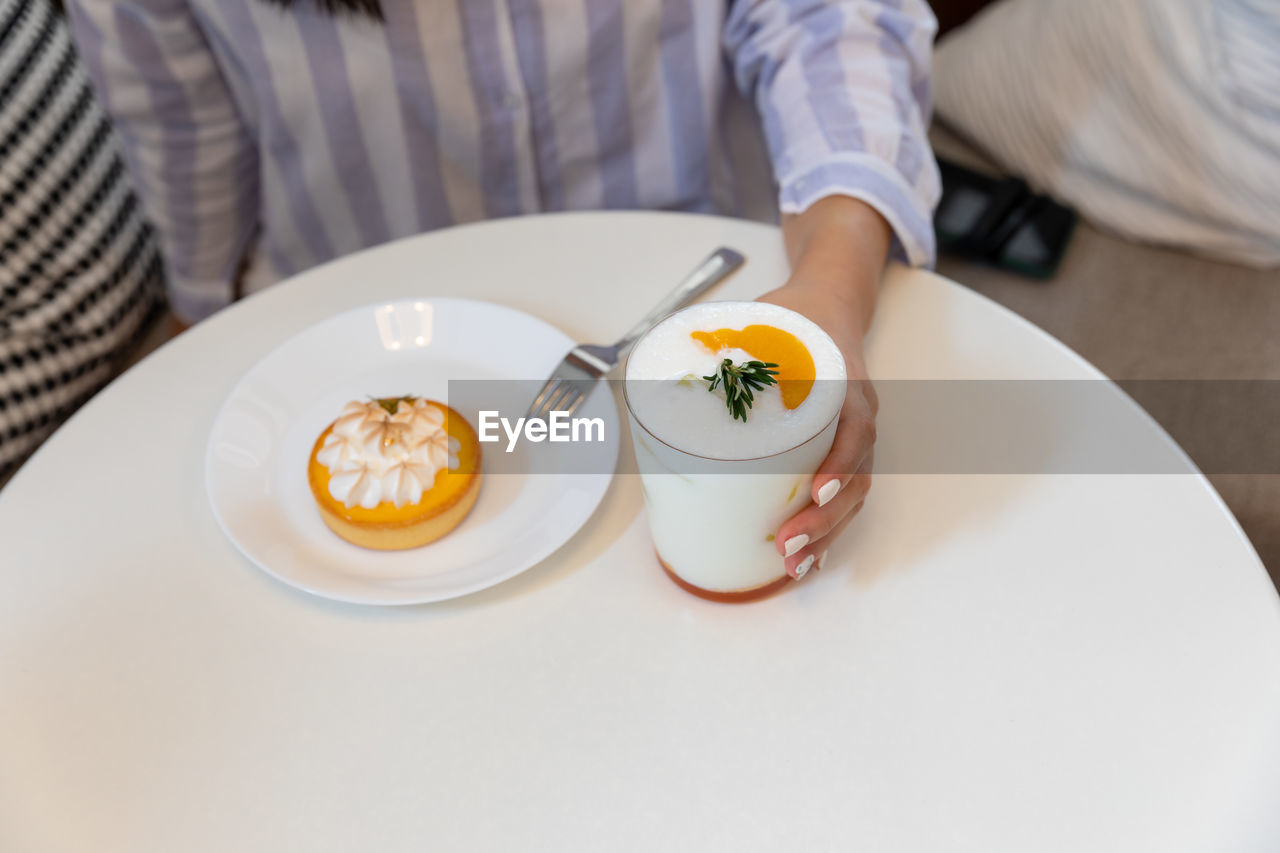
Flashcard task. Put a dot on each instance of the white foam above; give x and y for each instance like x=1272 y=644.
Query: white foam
x=686 y=416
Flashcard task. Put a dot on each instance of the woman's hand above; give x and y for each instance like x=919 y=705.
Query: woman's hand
x=837 y=249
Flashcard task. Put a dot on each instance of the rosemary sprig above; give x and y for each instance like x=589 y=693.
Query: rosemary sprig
x=740 y=381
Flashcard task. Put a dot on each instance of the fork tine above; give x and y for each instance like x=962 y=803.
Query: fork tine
x=570 y=406
x=557 y=399
x=548 y=387
x=544 y=410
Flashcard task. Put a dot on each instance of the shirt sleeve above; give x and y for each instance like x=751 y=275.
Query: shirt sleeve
x=191 y=159
x=842 y=87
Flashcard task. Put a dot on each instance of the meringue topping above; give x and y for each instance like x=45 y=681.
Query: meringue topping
x=386 y=451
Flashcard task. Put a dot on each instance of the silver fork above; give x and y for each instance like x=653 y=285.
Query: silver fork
x=586 y=364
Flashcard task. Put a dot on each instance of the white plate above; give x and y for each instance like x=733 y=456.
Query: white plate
x=255 y=465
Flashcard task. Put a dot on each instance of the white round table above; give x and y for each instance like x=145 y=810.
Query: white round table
x=987 y=663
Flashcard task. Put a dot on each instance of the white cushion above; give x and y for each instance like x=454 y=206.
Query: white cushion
x=1158 y=119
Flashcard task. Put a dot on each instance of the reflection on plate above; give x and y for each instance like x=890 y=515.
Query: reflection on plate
x=255 y=466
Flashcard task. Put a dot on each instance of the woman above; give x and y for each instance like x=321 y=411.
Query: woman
x=266 y=137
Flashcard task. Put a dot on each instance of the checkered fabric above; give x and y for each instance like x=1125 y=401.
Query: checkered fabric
x=79 y=271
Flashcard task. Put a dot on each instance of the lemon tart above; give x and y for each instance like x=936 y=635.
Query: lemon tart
x=396 y=472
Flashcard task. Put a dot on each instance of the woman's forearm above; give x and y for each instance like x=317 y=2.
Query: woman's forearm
x=840 y=245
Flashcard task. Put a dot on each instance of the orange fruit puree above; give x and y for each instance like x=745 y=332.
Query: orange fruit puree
x=796 y=371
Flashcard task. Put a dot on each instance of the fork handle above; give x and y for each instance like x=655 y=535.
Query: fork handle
x=718 y=266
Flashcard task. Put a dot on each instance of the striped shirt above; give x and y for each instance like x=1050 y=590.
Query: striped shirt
x=286 y=137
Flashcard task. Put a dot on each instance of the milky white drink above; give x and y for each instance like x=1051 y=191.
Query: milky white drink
x=717 y=488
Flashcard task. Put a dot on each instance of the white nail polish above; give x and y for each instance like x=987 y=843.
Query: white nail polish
x=828 y=491
x=803 y=568
x=795 y=543
x=822 y=560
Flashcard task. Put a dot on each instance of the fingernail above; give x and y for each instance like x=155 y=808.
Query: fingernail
x=828 y=491
x=803 y=568
x=795 y=543
x=822 y=560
